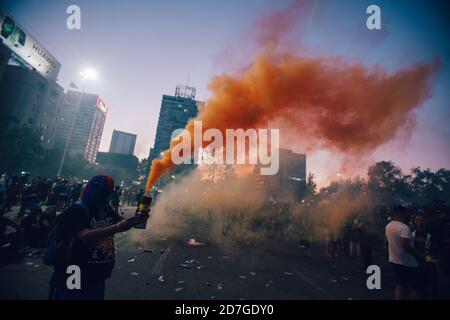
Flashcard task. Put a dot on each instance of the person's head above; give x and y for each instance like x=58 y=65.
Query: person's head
x=419 y=221
x=97 y=192
x=401 y=214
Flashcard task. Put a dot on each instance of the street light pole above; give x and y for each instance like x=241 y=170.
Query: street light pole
x=69 y=136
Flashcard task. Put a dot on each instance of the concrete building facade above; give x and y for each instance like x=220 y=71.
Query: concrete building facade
x=27 y=98
x=87 y=115
x=122 y=142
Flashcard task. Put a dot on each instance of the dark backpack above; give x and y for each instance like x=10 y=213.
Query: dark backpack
x=52 y=247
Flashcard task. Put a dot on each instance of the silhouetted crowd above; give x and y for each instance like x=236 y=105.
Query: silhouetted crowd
x=41 y=198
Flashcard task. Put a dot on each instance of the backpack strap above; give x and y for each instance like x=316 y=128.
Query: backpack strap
x=72 y=240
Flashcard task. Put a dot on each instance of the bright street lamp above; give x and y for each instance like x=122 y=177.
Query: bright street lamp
x=89 y=73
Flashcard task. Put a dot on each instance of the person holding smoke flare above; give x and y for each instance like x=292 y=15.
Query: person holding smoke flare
x=84 y=236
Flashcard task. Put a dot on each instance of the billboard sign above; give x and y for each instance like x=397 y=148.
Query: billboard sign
x=15 y=37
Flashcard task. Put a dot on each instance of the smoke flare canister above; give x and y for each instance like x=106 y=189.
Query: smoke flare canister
x=144 y=207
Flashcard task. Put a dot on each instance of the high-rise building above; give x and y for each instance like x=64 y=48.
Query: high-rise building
x=290 y=180
x=5 y=55
x=174 y=114
x=87 y=114
x=122 y=142
x=29 y=94
x=28 y=98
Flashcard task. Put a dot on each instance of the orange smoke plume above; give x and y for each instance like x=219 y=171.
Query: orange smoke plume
x=327 y=103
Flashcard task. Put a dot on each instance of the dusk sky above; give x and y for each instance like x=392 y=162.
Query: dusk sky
x=143 y=49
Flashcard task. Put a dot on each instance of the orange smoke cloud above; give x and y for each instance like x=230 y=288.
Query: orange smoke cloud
x=327 y=103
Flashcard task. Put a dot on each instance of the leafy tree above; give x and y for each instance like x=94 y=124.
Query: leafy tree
x=388 y=184
x=311 y=185
x=21 y=149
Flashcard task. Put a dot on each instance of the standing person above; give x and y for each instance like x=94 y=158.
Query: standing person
x=402 y=256
x=427 y=280
x=355 y=248
x=84 y=236
x=30 y=199
x=138 y=197
x=10 y=196
x=365 y=243
x=115 y=199
x=74 y=193
x=4 y=182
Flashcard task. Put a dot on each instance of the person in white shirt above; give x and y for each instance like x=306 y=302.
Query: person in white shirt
x=402 y=256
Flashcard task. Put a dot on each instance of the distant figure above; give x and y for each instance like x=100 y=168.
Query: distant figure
x=138 y=197
x=427 y=279
x=365 y=242
x=401 y=254
x=355 y=237
x=115 y=199
x=30 y=199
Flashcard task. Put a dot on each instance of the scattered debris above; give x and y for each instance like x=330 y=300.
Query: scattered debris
x=185 y=266
x=288 y=273
x=134 y=274
x=178 y=289
x=195 y=243
x=132 y=260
